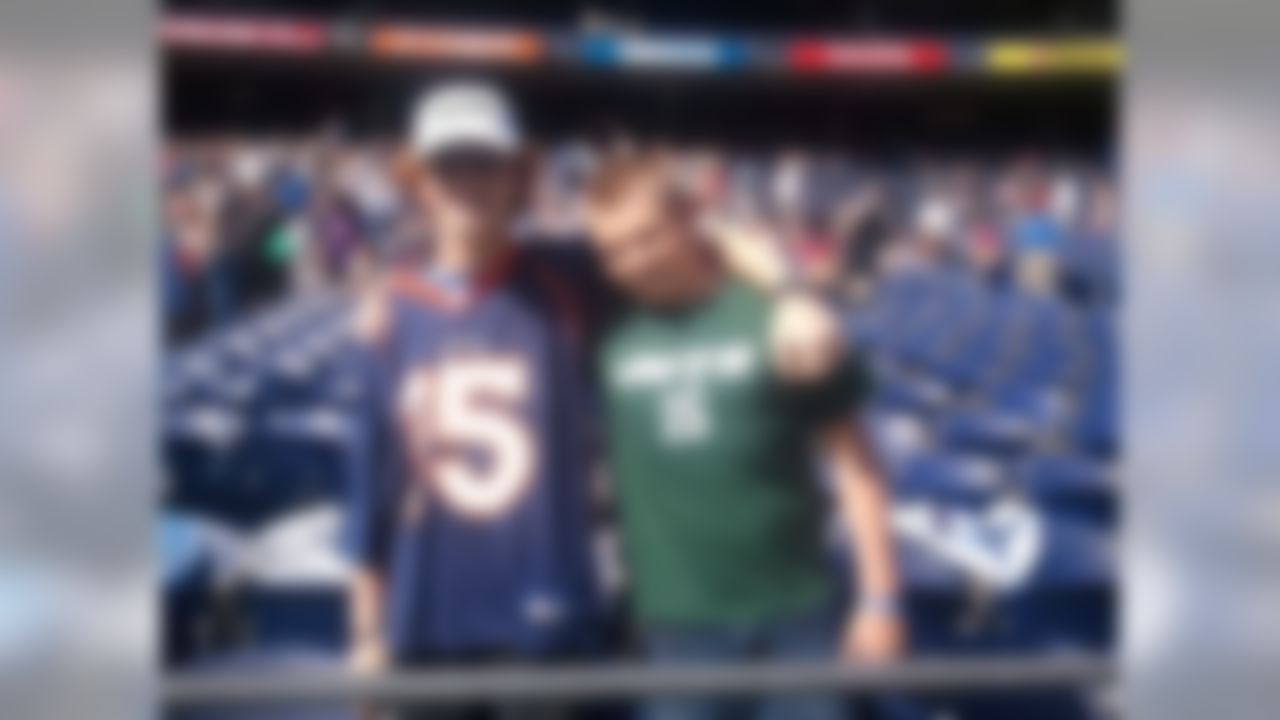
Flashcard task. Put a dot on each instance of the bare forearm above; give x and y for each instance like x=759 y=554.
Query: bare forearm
x=751 y=254
x=864 y=512
x=878 y=574
x=366 y=605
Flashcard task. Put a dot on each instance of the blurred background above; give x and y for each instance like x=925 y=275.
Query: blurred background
x=946 y=172
x=81 y=129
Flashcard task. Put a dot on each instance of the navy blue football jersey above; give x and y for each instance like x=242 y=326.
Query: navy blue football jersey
x=473 y=493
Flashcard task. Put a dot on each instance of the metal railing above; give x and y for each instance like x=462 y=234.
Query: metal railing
x=612 y=681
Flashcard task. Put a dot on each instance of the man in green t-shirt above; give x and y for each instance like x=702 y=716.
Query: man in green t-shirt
x=712 y=454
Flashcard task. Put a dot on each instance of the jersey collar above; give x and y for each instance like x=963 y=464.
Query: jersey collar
x=418 y=286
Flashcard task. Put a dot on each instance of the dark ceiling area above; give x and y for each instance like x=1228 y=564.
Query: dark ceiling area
x=249 y=96
x=265 y=94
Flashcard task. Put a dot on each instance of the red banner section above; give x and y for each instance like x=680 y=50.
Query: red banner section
x=866 y=56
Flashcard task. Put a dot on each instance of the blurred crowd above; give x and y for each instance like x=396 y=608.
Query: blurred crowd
x=249 y=222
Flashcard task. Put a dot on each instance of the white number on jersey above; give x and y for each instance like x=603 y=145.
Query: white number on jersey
x=472 y=405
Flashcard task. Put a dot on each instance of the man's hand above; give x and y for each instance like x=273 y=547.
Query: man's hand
x=367 y=657
x=874 y=636
x=804 y=338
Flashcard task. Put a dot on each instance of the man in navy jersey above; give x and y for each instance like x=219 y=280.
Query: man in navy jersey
x=469 y=524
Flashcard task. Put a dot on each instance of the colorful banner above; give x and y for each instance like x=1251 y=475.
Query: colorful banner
x=244 y=34
x=662 y=52
x=676 y=52
x=453 y=44
x=866 y=56
x=1021 y=57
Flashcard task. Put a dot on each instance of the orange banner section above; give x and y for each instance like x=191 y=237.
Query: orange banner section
x=869 y=56
x=436 y=43
x=288 y=36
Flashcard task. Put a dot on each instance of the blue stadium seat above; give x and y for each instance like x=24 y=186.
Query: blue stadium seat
x=953 y=479
x=1091 y=270
x=293 y=576
x=292 y=378
x=1070 y=484
x=1001 y=432
x=980 y=357
x=1049 y=353
x=186 y=573
x=1101 y=356
x=306 y=454
x=193 y=552
x=1071 y=603
x=896 y=438
x=900 y=389
x=193 y=375
x=207 y=463
x=956 y=308
x=1096 y=429
x=907 y=304
x=1004 y=578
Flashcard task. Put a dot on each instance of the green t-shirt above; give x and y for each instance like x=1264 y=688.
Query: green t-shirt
x=712 y=456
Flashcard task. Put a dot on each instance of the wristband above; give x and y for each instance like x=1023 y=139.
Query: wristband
x=880 y=605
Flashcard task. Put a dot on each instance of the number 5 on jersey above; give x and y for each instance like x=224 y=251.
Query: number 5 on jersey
x=467 y=433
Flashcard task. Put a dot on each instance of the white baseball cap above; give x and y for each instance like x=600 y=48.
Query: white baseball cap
x=464 y=114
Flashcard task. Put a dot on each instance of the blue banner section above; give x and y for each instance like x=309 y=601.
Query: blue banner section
x=684 y=52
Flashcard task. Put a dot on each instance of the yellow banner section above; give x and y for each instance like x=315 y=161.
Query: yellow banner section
x=1019 y=57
